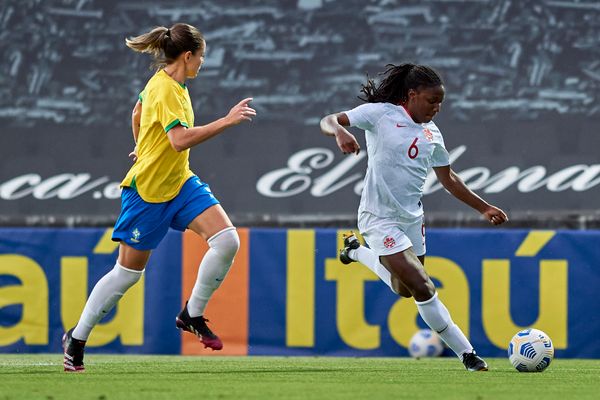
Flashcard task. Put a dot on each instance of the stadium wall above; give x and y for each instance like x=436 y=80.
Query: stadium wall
x=520 y=117
x=287 y=294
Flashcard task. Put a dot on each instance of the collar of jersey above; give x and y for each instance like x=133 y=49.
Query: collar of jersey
x=182 y=85
x=409 y=119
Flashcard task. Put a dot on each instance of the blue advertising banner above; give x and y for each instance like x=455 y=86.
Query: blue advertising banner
x=47 y=274
x=301 y=300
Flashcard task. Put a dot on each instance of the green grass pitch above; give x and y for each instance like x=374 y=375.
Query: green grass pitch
x=33 y=376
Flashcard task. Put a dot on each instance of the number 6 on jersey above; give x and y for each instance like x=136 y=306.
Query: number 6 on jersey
x=413 y=150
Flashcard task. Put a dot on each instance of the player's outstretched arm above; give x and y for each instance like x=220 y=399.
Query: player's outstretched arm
x=333 y=125
x=452 y=182
x=183 y=138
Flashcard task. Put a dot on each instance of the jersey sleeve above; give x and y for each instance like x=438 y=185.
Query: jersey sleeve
x=440 y=156
x=365 y=116
x=170 y=110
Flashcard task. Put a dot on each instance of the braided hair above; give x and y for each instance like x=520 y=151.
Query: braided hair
x=397 y=81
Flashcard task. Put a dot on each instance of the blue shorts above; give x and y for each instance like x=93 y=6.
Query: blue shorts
x=142 y=225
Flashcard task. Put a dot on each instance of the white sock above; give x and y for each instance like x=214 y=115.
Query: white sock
x=436 y=315
x=215 y=264
x=103 y=298
x=367 y=257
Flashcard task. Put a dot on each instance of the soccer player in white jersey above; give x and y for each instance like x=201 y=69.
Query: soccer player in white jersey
x=402 y=144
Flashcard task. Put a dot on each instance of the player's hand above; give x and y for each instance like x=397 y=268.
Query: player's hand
x=133 y=155
x=346 y=142
x=495 y=215
x=241 y=112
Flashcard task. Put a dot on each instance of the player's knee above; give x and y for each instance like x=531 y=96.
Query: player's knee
x=226 y=243
x=400 y=289
x=424 y=290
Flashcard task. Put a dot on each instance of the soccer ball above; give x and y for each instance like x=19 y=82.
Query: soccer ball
x=425 y=343
x=530 y=350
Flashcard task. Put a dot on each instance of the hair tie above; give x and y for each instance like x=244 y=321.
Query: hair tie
x=168 y=34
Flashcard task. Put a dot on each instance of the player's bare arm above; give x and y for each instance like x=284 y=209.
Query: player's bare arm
x=333 y=125
x=183 y=138
x=136 y=116
x=455 y=185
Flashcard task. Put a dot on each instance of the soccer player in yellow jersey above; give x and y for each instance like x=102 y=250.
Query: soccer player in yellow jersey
x=160 y=190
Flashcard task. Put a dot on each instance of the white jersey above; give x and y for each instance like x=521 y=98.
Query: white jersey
x=400 y=153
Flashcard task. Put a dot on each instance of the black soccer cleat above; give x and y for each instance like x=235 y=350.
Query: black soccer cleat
x=73 y=352
x=198 y=327
x=350 y=243
x=473 y=362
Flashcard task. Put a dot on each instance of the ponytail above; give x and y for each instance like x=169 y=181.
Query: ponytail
x=152 y=42
x=166 y=44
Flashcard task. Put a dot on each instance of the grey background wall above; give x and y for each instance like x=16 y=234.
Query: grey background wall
x=520 y=117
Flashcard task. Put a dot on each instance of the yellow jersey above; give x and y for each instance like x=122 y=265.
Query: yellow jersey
x=160 y=172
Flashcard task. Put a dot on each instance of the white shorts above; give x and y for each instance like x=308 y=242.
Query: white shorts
x=390 y=235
